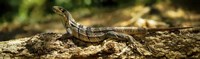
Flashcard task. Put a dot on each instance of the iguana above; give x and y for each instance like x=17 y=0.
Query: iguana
x=98 y=34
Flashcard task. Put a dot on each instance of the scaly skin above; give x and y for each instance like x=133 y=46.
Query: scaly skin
x=90 y=34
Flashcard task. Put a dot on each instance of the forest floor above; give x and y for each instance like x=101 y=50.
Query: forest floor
x=162 y=44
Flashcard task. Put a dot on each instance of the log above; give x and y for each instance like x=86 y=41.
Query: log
x=178 y=44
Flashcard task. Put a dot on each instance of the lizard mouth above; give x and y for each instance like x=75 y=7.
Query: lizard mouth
x=57 y=10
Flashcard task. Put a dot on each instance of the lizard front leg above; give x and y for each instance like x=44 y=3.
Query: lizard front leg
x=123 y=36
x=68 y=34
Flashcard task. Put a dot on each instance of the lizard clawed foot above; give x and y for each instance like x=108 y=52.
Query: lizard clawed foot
x=139 y=47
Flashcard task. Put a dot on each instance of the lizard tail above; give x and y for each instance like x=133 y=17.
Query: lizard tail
x=167 y=29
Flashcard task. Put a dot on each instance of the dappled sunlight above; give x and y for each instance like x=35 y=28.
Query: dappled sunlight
x=141 y=23
x=177 y=16
x=147 y=23
x=100 y=29
x=175 y=13
x=89 y=22
x=136 y=12
x=160 y=14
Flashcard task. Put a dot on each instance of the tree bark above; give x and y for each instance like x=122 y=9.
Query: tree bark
x=178 y=44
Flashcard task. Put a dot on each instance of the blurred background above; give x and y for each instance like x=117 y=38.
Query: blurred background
x=24 y=18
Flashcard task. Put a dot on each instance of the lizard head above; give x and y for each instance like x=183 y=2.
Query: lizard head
x=64 y=13
x=68 y=19
x=59 y=10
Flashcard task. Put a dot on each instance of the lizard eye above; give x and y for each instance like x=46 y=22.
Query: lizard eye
x=62 y=10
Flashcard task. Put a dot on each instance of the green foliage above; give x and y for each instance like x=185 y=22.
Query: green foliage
x=35 y=10
x=87 y=2
x=30 y=8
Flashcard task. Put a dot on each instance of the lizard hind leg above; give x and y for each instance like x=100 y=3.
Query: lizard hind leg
x=122 y=36
x=135 y=43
